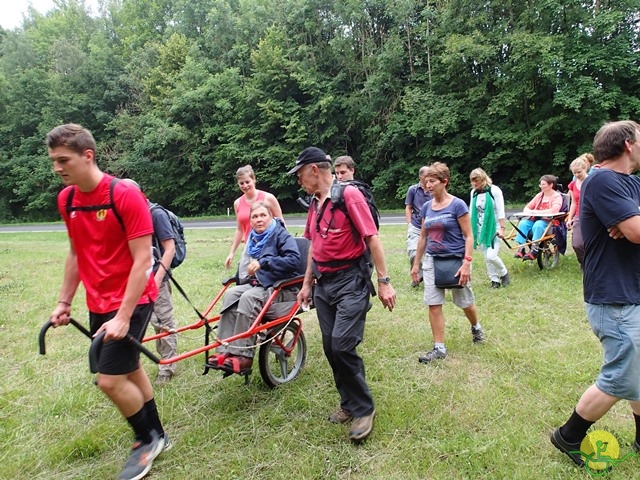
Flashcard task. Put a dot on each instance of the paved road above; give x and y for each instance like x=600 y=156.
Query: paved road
x=295 y=221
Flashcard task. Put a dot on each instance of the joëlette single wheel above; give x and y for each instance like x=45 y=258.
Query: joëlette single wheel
x=282 y=356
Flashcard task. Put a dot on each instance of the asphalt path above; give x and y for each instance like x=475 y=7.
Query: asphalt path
x=294 y=221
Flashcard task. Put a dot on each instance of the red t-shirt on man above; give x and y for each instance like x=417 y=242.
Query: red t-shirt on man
x=101 y=244
x=332 y=236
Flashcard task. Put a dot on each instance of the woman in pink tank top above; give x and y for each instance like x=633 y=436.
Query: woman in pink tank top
x=247 y=182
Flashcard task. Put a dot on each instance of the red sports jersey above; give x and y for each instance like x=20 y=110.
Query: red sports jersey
x=101 y=244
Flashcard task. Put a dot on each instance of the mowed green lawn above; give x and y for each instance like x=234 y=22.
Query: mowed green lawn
x=484 y=412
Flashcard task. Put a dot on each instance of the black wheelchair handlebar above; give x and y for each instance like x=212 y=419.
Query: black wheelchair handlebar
x=96 y=348
x=96 y=344
x=304 y=203
x=503 y=239
x=48 y=325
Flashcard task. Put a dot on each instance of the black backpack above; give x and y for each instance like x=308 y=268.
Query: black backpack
x=176 y=225
x=337 y=199
x=178 y=235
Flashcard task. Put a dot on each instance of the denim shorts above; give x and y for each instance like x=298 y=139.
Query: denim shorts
x=618 y=329
x=462 y=297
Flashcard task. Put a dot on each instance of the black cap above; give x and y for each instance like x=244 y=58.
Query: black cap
x=309 y=155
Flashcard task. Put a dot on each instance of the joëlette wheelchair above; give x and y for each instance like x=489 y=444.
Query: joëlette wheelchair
x=554 y=239
x=278 y=330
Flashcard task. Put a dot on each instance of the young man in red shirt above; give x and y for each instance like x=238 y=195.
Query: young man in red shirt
x=342 y=278
x=110 y=229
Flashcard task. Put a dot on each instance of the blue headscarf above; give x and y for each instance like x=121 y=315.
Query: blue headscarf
x=257 y=241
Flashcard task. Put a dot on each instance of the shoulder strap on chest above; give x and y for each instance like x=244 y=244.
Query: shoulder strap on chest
x=490 y=192
x=94 y=208
x=487 y=189
x=338 y=201
x=112 y=186
x=70 y=199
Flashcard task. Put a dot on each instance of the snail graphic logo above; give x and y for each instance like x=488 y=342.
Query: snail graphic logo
x=601 y=452
x=101 y=215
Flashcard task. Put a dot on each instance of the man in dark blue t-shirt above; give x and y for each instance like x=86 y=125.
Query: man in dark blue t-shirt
x=610 y=223
x=417 y=196
x=162 y=319
x=164 y=248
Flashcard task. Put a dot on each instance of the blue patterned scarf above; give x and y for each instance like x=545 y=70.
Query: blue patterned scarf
x=257 y=241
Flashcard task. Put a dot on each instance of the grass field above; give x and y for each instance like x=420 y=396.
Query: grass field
x=485 y=412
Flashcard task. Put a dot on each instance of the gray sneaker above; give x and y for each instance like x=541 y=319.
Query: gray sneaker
x=168 y=444
x=141 y=458
x=434 y=354
x=478 y=336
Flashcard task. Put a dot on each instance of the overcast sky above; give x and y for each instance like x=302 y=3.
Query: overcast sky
x=11 y=10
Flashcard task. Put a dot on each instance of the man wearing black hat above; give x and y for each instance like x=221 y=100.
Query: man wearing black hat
x=342 y=283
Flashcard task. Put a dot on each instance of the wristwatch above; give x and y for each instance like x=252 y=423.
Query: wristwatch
x=385 y=280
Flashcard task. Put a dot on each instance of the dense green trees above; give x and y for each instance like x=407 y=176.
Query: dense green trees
x=180 y=93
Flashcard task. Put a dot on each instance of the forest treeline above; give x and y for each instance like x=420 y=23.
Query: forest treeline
x=180 y=93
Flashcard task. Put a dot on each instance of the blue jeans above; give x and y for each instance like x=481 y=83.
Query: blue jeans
x=618 y=329
x=536 y=227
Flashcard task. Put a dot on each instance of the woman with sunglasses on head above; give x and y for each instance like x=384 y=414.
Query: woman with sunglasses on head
x=487 y=223
x=549 y=200
x=446 y=232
